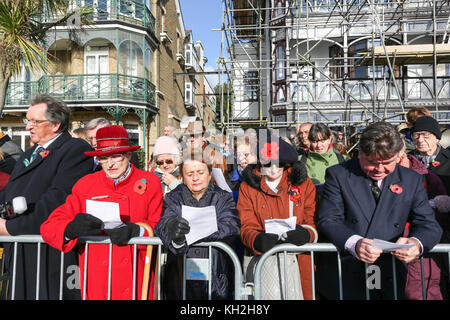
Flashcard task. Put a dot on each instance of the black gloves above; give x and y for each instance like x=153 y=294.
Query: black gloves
x=265 y=241
x=176 y=229
x=299 y=236
x=123 y=234
x=83 y=224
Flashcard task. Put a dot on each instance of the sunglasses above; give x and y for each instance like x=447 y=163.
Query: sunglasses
x=161 y=162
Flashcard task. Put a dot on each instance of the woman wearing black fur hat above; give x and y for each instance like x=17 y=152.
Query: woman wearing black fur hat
x=266 y=192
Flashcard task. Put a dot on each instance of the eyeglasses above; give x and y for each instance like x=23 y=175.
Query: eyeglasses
x=113 y=157
x=33 y=123
x=416 y=135
x=166 y=161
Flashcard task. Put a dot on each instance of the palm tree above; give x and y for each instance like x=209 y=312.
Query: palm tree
x=22 y=31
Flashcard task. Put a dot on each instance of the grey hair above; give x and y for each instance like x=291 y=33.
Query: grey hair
x=57 y=110
x=380 y=138
x=94 y=123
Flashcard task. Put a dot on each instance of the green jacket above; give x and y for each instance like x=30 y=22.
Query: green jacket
x=317 y=163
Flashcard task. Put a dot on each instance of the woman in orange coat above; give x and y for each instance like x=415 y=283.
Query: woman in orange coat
x=265 y=194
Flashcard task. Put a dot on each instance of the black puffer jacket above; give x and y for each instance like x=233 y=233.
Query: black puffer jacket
x=228 y=224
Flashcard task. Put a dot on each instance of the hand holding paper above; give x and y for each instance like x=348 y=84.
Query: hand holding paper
x=108 y=212
x=408 y=254
x=280 y=226
x=202 y=222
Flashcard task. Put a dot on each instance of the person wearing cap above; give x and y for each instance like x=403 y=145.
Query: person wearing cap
x=266 y=192
x=196 y=142
x=367 y=198
x=137 y=194
x=166 y=157
x=426 y=135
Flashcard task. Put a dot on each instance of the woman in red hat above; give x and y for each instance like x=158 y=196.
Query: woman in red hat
x=137 y=194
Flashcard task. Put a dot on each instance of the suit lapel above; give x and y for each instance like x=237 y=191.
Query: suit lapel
x=359 y=184
x=53 y=146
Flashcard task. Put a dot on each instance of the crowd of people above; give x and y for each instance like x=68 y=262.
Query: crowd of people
x=88 y=182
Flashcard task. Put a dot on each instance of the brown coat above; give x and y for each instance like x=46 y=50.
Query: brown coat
x=255 y=206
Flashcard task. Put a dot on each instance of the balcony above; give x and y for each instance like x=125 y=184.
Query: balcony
x=84 y=88
x=419 y=89
x=20 y=93
x=130 y=11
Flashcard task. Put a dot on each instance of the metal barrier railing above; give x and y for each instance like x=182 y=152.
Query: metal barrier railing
x=328 y=247
x=241 y=289
x=36 y=239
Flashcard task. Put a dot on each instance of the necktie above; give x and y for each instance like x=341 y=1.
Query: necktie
x=376 y=191
x=35 y=153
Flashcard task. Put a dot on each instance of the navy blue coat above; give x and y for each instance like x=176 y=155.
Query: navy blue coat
x=45 y=184
x=348 y=208
x=228 y=224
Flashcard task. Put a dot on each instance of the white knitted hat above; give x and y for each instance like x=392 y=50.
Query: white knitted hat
x=165 y=144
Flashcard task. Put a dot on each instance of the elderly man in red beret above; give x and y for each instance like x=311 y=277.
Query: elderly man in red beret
x=138 y=196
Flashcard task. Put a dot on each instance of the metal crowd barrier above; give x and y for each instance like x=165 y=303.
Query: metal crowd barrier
x=328 y=247
x=37 y=239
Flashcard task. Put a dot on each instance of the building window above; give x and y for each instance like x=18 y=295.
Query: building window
x=189 y=93
x=188 y=54
x=19 y=135
x=251 y=86
x=280 y=62
x=279 y=8
x=133 y=134
x=355 y=54
x=280 y=95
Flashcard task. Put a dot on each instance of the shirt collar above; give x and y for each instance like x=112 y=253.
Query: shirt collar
x=45 y=145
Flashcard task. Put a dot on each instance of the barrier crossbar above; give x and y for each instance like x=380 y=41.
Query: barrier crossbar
x=311 y=248
x=155 y=241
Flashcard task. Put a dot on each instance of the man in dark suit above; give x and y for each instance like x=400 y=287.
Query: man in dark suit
x=367 y=198
x=426 y=135
x=44 y=175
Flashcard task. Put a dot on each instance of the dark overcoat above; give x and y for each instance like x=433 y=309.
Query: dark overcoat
x=45 y=184
x=441 y=167
x=348 y=207
x=228 y=225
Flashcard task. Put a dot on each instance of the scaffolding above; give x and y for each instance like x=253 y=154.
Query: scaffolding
x=340 y=62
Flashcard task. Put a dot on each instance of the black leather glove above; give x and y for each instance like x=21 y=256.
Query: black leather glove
x=265 y=241
x=299 y=236
x=84 y=224
x=176 y=229
x=121 y=235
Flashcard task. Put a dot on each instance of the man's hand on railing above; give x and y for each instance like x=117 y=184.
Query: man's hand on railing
x=366 y=252
x=84 y=224
x=408 y=255
x=123 y=234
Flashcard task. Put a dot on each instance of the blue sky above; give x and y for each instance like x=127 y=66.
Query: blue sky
x=201 y=16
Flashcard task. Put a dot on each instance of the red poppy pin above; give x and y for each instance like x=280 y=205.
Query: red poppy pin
x=395 y=188
x=435 y=163
x=140 y=186
x=44 y=153
x=295 y=193
x=270 y=151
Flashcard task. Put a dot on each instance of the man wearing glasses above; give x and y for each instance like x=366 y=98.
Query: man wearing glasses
x=426 y=135
x=134 y=195
x=44 y=175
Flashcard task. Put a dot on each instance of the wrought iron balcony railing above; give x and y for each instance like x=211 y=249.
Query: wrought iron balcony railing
x=84 y=87
x=131 y=11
